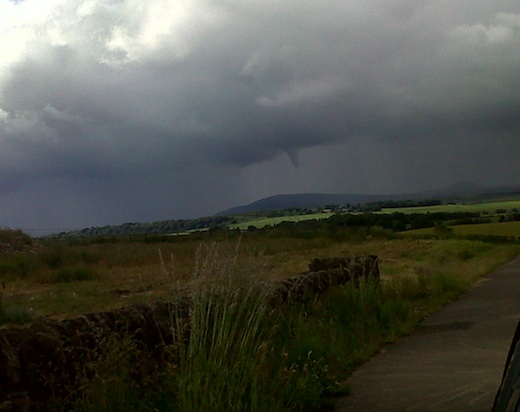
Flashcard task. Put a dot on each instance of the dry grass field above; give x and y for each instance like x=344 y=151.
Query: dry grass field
x=63 y=279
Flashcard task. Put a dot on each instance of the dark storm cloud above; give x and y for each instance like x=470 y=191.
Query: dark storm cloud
x=209 y=97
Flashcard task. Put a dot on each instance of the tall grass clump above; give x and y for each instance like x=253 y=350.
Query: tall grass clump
x=342 y=329
x=222 y=346
x=219 y=361
x=239 y=350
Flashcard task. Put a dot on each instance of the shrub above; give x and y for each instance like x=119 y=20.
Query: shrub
x=12 y=240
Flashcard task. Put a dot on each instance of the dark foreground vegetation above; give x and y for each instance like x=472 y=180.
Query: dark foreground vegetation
x=241 y=353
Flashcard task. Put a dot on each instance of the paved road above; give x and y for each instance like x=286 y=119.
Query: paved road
x=453 y=363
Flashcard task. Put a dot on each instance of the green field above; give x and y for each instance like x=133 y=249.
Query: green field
x=271 y=221
x=506 y=229
x=487 y=207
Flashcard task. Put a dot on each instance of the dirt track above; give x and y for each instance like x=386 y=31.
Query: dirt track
x=454 y=362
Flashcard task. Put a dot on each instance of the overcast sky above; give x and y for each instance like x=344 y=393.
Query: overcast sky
x=114 y=111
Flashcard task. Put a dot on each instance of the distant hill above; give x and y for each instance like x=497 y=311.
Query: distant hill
x=309 y=201
x=317 y=200
x=459 y=192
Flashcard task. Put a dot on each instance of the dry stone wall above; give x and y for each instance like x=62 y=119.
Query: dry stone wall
x=44 y=361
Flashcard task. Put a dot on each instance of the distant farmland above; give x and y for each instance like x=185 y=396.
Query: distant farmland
x=507 y=229
x=488 y=207
x=484 y=208
x=271 y=221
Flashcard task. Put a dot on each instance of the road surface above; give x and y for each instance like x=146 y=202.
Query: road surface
x=454 y=362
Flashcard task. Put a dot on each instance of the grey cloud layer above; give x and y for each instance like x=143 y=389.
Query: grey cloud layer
x=110 y=90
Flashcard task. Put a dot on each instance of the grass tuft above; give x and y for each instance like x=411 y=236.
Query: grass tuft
x=221 y=358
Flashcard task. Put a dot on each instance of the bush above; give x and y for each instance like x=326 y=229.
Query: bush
x=14 y=241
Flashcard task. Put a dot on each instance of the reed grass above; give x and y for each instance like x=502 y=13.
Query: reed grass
x=219 y=359
x=219 y=363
